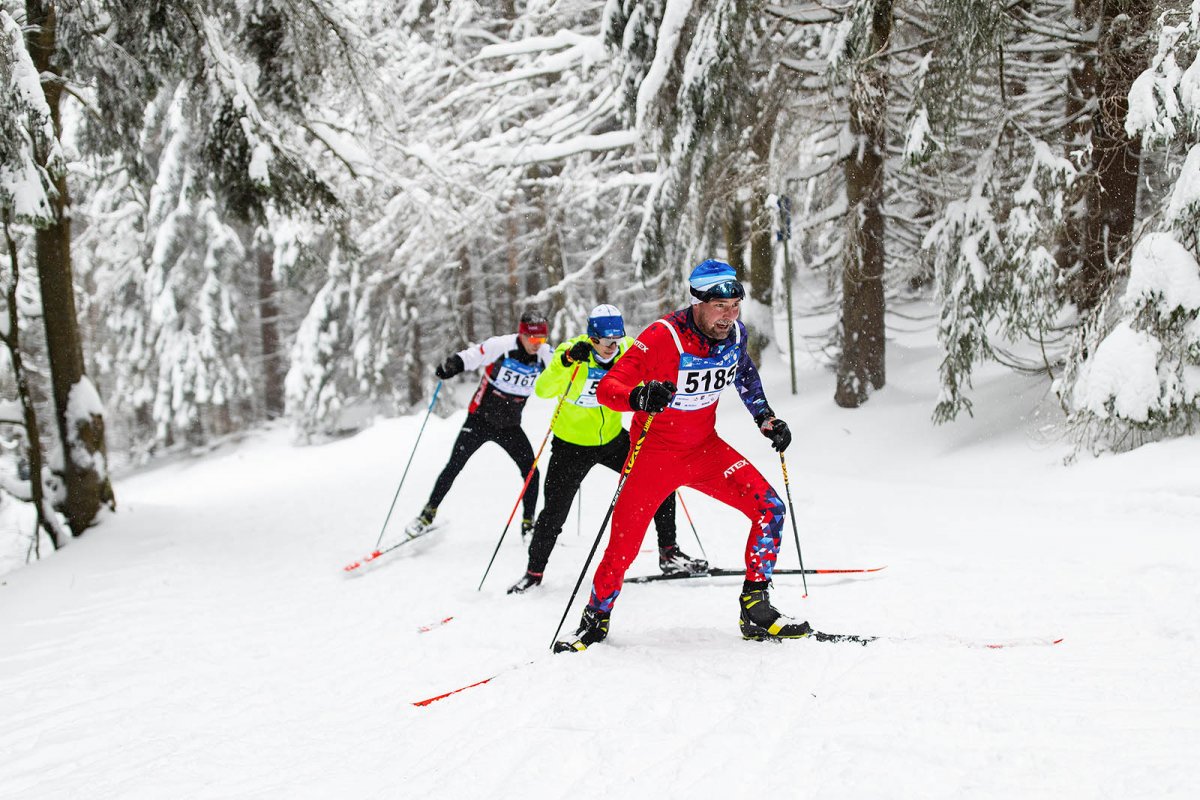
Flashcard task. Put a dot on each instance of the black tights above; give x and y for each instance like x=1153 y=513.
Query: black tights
x=569 y=464
x=475 y=432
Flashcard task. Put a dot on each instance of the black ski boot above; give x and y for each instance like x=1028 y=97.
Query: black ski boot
x=422 y=523
x=527 y=582
x=673 y=561
x=762 y=621
x=526 y=527
x=592 y=628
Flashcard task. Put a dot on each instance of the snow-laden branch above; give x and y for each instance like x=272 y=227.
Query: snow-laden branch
x=669 y=33
x=555 y=151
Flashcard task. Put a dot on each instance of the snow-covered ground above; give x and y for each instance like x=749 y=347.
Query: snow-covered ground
x=205 y=643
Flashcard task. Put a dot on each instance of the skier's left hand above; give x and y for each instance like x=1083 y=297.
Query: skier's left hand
x=450 y=367
x=777 y=431
x=579 y=352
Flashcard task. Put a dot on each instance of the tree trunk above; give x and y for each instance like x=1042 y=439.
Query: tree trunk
x=513 y=261
x=861 y=365
x=547 y=219
x=762 y=270
x=85 y=472
x=45 y=515
x=735 y=237
x=268 y=323
x=1102 y=78
x=466 y=295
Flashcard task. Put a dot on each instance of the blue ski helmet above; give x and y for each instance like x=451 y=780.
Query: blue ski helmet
x=714 y=279
x=605 y=323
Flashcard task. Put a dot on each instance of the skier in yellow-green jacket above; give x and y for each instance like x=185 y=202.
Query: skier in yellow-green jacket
x=586 y=434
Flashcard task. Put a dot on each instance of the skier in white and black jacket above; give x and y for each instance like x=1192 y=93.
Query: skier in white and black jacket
x=512 y=363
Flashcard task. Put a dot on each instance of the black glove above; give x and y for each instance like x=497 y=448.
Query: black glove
x=450 y=367
x=580 y=351
x=777 y=431
x=653 y=397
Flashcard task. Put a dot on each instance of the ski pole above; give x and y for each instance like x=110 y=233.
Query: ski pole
x=396 y=496
x=529 y=477
x=637 y=448
x=792 y=513
x=679 y=494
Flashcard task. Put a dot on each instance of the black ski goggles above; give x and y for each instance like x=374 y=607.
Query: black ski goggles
x=725 y=290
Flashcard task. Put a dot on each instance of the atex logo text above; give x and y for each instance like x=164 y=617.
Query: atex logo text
x=736 y=466
x=638 y=344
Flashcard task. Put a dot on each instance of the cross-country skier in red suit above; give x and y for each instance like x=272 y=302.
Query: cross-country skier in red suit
x=676 y=370
x=511 y=364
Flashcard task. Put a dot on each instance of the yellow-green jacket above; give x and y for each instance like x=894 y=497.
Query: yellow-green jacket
x=582 y=420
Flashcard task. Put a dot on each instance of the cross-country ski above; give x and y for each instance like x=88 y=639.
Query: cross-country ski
x=356 y=567
x=715 y=572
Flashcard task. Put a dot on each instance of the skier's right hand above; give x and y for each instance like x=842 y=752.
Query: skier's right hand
x=580 y=351
x=653 y=397
x=450 y=367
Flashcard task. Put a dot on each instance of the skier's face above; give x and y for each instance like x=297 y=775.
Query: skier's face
x=605 y=348
x=531 y=343
x=716 y=317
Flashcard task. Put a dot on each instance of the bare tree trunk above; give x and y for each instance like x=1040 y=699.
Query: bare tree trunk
x=761 y=249
x=84 y=473
x=735 y=237
x=514 y=262
x=861 y=366
x=762 y=272
x=33 y=436
x=466 y=295
x=548 y=220
x=268 y=322
x=1102 y=78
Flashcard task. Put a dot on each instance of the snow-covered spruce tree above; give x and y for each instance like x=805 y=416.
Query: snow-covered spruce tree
x=506 y=181
x=215 y=142
x=996 y=91
x=174 y=353
x=692 y=79
x=1136 y=372
x=29 y=160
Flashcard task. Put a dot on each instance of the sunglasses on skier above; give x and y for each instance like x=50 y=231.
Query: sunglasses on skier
x=725 y=290
x=605 y=341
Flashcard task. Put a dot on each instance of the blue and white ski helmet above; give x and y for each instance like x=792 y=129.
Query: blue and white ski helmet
x=605 y=323
x=713 y=279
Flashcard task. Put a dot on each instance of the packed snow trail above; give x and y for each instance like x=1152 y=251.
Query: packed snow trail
x=204 y=642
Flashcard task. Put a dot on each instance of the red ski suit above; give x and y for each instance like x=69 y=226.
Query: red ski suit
x=682 y=447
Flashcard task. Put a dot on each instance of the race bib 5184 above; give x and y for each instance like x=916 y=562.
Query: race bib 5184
x=701 y=380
